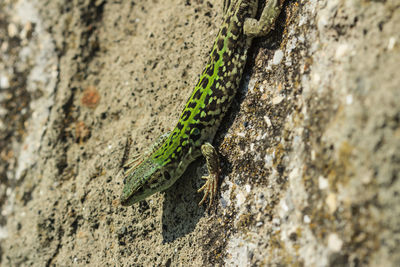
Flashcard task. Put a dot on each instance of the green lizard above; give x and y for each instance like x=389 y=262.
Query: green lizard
x=167 y=159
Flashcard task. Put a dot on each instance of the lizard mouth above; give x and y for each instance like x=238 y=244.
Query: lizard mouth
x=130 y=199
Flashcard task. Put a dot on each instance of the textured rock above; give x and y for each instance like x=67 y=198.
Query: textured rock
x=310 y=150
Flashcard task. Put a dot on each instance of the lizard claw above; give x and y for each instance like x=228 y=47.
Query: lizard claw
x=209 y=188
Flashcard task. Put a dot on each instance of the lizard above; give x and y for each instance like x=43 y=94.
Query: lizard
x=167 y=159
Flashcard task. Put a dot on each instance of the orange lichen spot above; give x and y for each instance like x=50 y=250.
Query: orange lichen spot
x=91 y=97
x=115 y=203
x=82 y=132
x=81 y=235
x=6 y=155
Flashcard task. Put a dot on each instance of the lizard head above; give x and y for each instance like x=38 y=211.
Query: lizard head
x=144 y=180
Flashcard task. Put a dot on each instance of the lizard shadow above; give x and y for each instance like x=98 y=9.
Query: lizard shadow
x=181 y=211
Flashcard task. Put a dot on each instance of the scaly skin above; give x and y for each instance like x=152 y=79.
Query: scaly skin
x=171 y=154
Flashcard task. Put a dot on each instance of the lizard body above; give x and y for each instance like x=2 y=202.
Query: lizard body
x=159 y=167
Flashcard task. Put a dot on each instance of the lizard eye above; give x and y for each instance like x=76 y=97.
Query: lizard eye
x=195 y=131
x=167 y=176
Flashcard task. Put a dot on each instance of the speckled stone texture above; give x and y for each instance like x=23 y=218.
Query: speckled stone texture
x=310 y=149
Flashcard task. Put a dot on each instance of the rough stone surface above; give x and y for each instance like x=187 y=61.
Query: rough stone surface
x=310 y=149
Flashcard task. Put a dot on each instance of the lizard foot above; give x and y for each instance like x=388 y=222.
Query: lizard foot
x=209 y=188
x=212 y=160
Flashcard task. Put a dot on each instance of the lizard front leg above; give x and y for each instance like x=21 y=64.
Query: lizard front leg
x=212 y=161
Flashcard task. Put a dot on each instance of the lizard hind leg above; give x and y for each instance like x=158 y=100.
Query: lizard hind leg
x=212 y=161
x=138 y=158
x=261 y=27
